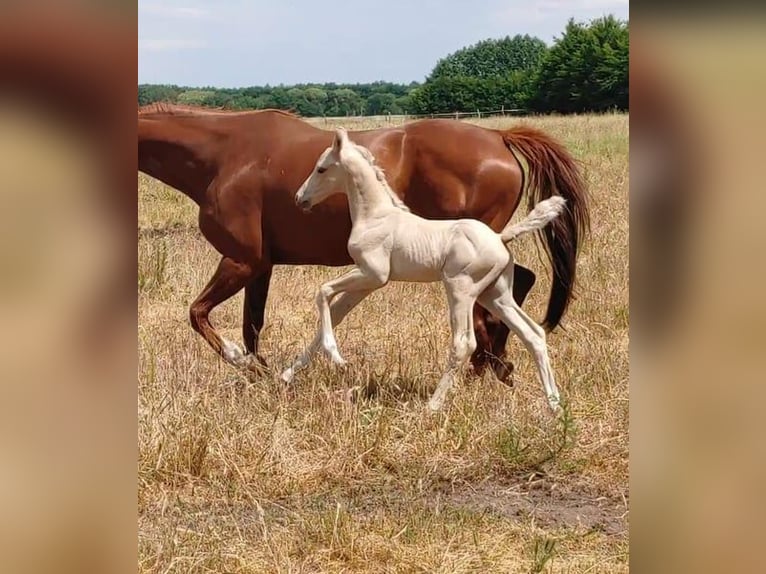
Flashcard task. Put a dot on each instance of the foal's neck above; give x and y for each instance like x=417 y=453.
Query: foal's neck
x=366 y=195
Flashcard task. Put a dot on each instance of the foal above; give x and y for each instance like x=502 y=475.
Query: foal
x=389 y=243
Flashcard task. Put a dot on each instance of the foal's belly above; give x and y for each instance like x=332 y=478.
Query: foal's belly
x=418 y=249
x=415 y=265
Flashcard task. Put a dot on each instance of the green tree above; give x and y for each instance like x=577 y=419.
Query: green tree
x=612 y=72
x=467 y=94
x=490 y=74
x=381 y=103
x=194 y=97
x=150 y=93
x=586 y=69
x=404 y=104
x=317 y=100
x=492 y=58
x=343 y=102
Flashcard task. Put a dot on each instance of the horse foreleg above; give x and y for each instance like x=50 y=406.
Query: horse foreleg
x=254 y=309
x=355 y=286
x=355 y=280
x=481 y=356
x=228 y=279
x=339 y=308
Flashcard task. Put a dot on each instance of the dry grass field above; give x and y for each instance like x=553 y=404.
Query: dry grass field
x=348 y=473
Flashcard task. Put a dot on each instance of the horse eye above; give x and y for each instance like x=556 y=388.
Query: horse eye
x=321 y=169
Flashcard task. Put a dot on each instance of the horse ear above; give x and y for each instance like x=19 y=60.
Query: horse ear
x=341 y=137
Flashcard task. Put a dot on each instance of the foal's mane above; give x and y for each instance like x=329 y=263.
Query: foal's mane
x=189 y=110
x=381 y=177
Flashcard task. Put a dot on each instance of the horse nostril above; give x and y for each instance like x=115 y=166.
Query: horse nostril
x=303 y=204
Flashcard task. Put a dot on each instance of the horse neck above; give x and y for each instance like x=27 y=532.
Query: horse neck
x=366 y=196
x=178 y=153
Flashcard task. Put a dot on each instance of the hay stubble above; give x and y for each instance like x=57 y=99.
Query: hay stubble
x=347 y=472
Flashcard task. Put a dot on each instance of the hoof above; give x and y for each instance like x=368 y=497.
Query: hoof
x=339 y=362
x=287 y=375
x=333 y=354
x=233 y=354
x=435 y=405
x=255 y=365
x=258 y=362
x=503 y=371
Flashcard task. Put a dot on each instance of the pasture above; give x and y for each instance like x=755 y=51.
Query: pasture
x=348 y=472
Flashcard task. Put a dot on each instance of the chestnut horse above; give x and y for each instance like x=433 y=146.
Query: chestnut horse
x=243 y=168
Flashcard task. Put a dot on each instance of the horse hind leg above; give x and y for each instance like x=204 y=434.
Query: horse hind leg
x=492 y=333
x=254 y=308
x=463 y=342
x=503 y=305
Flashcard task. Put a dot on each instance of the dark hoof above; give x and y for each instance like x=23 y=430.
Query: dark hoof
x=504 y=372
x=476 y=369
x=256 y=367
x=473 y=373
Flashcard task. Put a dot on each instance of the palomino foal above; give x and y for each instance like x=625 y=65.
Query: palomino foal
x=389 y=243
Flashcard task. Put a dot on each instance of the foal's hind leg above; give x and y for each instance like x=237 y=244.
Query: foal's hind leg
x=463 y=338
x=499 y=300
x=492 y=333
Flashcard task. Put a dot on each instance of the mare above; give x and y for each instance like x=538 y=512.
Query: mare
x=390 y=243
x=243 y=168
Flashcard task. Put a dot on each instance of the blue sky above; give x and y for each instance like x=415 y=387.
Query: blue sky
x=237 y=43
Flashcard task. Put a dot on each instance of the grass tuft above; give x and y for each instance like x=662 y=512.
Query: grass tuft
x=347 y=472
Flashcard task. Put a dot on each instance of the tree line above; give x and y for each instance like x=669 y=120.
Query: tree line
x=585 y=70
x=307 y=99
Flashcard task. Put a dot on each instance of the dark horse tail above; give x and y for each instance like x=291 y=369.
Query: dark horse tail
x=553 y=171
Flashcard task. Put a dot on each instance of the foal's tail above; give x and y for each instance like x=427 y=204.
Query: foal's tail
x=552 y=171
x=543 y=213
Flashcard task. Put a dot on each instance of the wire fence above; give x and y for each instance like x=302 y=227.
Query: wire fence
x=401 y=118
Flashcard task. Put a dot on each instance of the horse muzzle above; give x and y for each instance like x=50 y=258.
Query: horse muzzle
x=304 y=204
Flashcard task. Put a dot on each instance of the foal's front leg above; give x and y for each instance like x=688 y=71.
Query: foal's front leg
x=355 y=280
x=350 y=288
x=339 y=308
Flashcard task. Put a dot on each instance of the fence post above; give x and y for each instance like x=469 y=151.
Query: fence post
x=478 y=114
x=502 y=109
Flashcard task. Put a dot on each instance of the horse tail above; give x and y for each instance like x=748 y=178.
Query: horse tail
x=543 y=213
x=553 y=171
